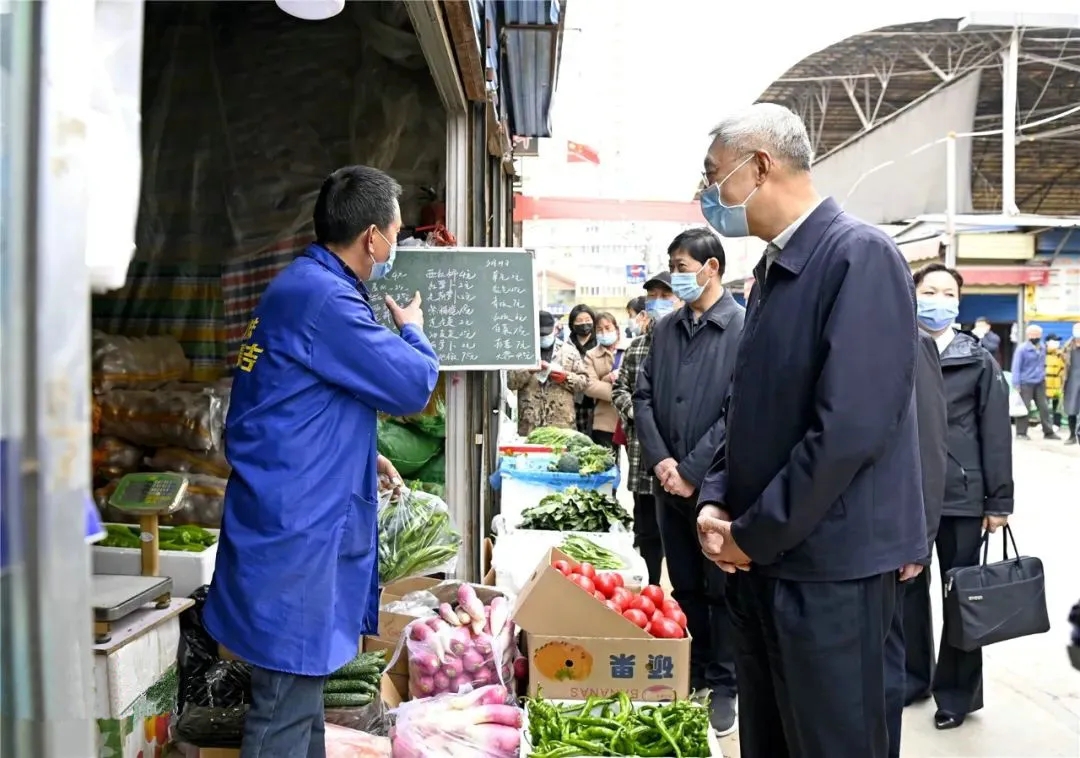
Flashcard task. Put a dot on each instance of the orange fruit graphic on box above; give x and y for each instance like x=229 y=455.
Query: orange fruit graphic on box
x=563 y=661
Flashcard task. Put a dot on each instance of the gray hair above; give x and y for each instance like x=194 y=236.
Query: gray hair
x=769 y=127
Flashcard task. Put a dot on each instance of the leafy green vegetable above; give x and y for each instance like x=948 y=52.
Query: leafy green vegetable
x=434 y=471
x=568 y=464
x=431 y=424
x=438 y=490
x=553 y=436
x=585 y=459
x=416 y=536
x=576 y=510
x=405 y=447
x=584 y=550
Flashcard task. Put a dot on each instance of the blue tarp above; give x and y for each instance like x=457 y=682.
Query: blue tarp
x=534 y=470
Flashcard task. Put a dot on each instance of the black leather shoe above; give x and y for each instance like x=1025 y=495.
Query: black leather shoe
x=946 y=720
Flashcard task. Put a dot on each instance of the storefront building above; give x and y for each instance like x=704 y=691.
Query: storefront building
x=217 y=146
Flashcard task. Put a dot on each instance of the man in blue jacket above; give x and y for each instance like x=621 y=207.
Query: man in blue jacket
x=814 y=503
x=1029 y=379
x=297 y=578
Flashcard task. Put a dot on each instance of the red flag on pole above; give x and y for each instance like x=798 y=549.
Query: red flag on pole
x=578 y=153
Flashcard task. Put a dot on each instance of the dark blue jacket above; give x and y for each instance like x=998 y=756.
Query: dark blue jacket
x=821 y=470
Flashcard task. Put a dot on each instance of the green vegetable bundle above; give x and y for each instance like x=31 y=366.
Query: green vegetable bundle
x=188 y=539
x=406 y=447
x=553 y=436
x=431 y=424
x=585 y=460
x=355 y=684
x=416 y=537
x=614 y=726
x=576 y=510
x=584 y=550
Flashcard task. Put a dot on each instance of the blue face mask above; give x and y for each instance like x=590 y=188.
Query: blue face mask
x=938 y=313
x=547 y=340
x=728 y=220
x=382 y=269
x=659 y=308
x=607 y=339
x=635 y=328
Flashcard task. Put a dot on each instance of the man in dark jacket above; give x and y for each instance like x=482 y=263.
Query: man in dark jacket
x=817 y=494
x=677 y=403
x=932 y=418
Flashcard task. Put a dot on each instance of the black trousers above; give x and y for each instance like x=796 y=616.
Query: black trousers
x=809 y=657
x=956 y=682
x=647 y=535
x=1036 y=393
x=699 y=587
x=607 y=439
x=895 y=676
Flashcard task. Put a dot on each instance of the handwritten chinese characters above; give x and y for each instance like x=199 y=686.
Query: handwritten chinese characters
x=249 y=351
x=479 y=305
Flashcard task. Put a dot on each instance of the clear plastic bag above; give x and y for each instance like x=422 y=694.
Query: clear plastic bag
x=371 y=718
x=193 y=420
x=342 y=742
x=211 y=462
x=136 y=362
x=467 y=644
x=112 y=457
x=202 y=505
x=482 y=723
x=416 y=536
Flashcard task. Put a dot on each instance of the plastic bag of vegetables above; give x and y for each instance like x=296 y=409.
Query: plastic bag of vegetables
x=416 y=536
x=466 y=645
x=478 y=724
x=342 y=742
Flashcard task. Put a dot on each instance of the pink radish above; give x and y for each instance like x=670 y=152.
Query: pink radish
x=472 y=661
x=425 y=662
x=506 y=715
x=493 y=694
x=482 y=643
x=449 y=615
x=496 y=738
x=521 y=668
x=487 y=619
x=421 y=686
x=483 y=676
x=442 y=683
x=452 y=669
x=470 y=603
x=500 y=615
x=459 y=641
x=464 y=618
x=424 y=635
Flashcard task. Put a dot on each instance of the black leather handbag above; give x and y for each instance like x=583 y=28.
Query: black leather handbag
x=995 y=602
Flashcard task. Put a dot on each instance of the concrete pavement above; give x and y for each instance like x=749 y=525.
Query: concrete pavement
x=1032 y=694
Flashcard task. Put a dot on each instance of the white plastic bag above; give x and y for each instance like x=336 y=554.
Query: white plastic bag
x=1017 y=407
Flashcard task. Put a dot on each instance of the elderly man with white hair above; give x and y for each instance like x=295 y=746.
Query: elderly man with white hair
x=814 y=502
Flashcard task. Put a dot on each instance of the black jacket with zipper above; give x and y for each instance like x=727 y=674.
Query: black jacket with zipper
x=932 y=416
x=978 y=476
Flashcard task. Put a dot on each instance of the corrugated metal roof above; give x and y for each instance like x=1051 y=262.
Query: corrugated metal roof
x=530 y=30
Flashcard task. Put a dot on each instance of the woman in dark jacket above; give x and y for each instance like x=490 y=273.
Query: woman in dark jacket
x=978 y=481
x=582 y=321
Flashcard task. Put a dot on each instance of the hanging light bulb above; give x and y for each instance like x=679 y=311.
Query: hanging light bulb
x=312 y=10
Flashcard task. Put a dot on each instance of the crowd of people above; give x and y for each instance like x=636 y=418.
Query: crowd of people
x=799 y=460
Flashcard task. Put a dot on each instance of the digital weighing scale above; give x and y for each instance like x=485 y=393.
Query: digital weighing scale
x=148 y=496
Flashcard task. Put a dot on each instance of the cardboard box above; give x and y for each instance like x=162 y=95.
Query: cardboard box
x=577 y=647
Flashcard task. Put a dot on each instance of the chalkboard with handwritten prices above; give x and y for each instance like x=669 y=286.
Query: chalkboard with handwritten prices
x=479 y=304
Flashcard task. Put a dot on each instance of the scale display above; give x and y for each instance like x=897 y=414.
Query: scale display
x=154 y=493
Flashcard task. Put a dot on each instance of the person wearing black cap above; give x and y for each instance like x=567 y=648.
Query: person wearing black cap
x=660 y=300
x=545 y=394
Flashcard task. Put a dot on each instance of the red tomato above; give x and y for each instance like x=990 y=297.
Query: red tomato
x=619 y=581
x=613 y=606
x=677 y=616
x=655 y=594
x=586 y=569
x=643 y=604
x=638 y=618
x=562 y=567
x=584 y=582
x=599 y=596
x=605 y=583
x=657 y=614
x=665 y=628
x=669 y=604
x=623 y=597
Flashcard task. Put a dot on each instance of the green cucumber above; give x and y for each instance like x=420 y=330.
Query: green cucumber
x=346 y=700
x=356 y=686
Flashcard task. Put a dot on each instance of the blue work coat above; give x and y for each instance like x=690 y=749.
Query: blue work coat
x=297 y=578
x=1028 y=365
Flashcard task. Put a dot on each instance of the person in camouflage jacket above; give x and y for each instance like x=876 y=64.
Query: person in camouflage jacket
x=545 y=395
